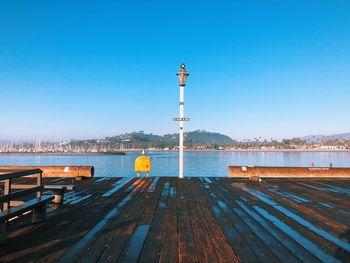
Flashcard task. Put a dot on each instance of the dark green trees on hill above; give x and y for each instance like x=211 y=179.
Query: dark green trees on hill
x=192 y=139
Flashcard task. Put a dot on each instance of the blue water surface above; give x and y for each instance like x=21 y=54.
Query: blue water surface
x=195 y=163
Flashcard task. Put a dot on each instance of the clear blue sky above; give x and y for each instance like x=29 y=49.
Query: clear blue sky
x=84 y=69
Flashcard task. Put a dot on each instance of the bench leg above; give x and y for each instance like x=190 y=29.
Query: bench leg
x=58 y=193
x=39 y=214
x=2 y=233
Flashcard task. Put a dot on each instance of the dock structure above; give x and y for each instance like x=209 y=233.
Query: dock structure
x=287 y=172
x=166 y=219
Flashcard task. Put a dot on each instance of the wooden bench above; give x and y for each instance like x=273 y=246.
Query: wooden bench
x=57 y=190
x=36 y=205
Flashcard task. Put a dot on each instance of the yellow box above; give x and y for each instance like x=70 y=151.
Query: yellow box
x=143 y=164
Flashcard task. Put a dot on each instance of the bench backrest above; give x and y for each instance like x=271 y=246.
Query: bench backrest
x=7 y=176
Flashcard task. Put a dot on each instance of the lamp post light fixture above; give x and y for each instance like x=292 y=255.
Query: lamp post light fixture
x=182 y=75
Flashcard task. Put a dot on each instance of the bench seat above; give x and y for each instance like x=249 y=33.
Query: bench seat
x=26 y=206
x=68 y=187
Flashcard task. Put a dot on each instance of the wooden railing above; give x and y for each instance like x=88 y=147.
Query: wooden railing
x=7 y=177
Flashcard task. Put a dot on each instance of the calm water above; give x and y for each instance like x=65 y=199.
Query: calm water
x=195 y=164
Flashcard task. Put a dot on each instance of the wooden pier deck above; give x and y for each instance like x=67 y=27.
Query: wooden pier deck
x=164 y=219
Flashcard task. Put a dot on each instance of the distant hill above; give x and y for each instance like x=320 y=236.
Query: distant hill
x=322 y=138
x=204 y=137
x=145 y=140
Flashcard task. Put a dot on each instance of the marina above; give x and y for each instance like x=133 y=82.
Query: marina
x=167 y=219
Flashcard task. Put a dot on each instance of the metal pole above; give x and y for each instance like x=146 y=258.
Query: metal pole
x=181 y=134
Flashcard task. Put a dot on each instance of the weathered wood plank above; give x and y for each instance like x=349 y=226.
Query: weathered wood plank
x=152 y=246
x=286 y=221
x=129 y=233
x=190 y=220
x=120 y=227
x=169 y=246
x=186 y=242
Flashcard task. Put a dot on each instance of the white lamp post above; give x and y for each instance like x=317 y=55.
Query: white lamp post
x=182 y=74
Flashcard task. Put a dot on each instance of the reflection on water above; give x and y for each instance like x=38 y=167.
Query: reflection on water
x=195 y=163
